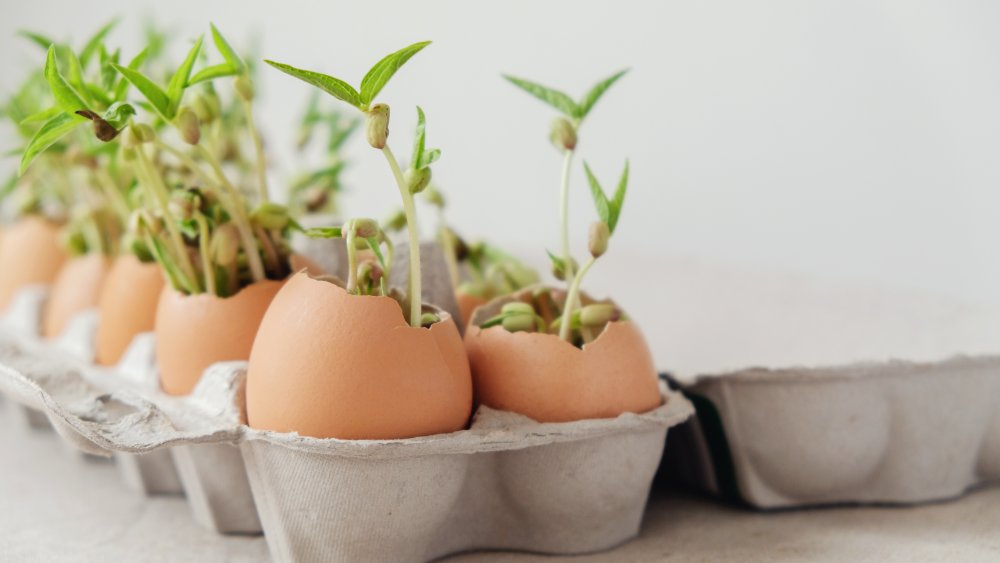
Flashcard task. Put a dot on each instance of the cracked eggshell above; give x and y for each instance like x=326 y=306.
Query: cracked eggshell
x=196 y=331
x=550 y=380
x=328 y=364
x=127 y=305
x=76 y=289
x=30 y=253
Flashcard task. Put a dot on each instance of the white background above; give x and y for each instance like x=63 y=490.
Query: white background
x=845 y=140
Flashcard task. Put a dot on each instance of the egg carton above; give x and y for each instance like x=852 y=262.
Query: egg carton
x=872 y=433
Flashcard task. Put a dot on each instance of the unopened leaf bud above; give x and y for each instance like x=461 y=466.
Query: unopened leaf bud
x=365 y=228
x=598 y=314
x=599 y=235
x=559 y=269
x=143 y=133
x=417 y=179
x=563 y=134
x=517 y=308
x=244 y=87
x=188 y=125
x=270 y=216
x=377 y=121
x=225 y=245
x=519 y=323
x=428 y=319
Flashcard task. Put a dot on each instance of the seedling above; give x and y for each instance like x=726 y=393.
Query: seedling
x=376 y=115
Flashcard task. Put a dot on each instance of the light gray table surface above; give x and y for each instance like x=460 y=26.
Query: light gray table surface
x=57 y=506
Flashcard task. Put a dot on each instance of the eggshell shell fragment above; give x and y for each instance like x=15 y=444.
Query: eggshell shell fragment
x=76 y=289
x=543 y=377
x=30 y=253
x=329 y=364
x=196 y=331
x=127 y=305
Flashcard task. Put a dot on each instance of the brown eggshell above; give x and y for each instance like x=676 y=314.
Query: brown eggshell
x=550 y=380
x=127 y=305
x=467 y=303
x=30 y=253
x=329 y=364
x=195 y=331
x=76 y=289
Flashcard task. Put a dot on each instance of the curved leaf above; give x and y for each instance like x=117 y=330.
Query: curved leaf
x=213 y=72
x=596 y=92
x=91 y=46
x=156 y=96
x=134 y=64
x=379 y=75
x=551 y=96
x=418 y=139
x=66 y=98
x=44 y=115
x=179 y=81
x=333 y=86
x=600 y=200
x=53 y=130
x=226 y=50
x=36 y=38
x=619 y=199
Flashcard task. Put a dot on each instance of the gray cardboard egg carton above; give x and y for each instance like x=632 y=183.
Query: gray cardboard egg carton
x=887 y=433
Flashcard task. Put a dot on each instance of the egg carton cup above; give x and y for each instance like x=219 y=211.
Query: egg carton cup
x=869 y=433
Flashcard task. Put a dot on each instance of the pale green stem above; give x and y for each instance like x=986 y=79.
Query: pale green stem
x=159 y=193
x=113 y=194
x=352 y=258
x=259 y=147
x=204 y=245
x=564 y=213
x=416 y=306
x=571 y=298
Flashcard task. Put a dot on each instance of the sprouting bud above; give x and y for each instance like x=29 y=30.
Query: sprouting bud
x=427 y=319
x=417 y=179
x=434 y=197
x=205 y=106
x=316 y=198
x=559 y=269
x=187 y=123
x=270 y=216
x=225 y=245
x=184 y=203
x=519 y=323
x=396 y=222
x=370 y=271
x=598 y=314
x=244 y=87
x=377 y=121
x=563 y=134
x=599 y=235
x=517 y=308
x=365 y=228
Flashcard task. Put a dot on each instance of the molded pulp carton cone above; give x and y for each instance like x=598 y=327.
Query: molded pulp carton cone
x=23 y=319
x=895 y=432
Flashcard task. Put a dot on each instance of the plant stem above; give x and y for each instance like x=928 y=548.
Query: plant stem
x=416 y=306
x=159 y=193
x=564 y=214
x=352 y=258
x=206 y=257
x=571 y=297
x=259 y=147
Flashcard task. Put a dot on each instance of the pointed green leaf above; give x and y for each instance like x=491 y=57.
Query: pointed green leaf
x=156 y=96
x=333 y=86
x=619 y=199
x=66 y=98
x=373 y=245
x=379 y=75
x=595 y=93
x=227 y=51
x=36 y=38
x=108 y=75
x=118 y=114
x=429 y=158
x=74 y=72
x=324 y=232
x=179 y=81
x=600 y=200
x=53 y=130
x=418 y=139
x=553 y=97
x=44 y=115
x=213 y=72
x=557 y=262
x=122 y=87
x=92 y=45
x=97 y=95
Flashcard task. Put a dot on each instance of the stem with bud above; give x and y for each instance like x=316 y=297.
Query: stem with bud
x=564 y=212
x=414 y=295
x=571 y=297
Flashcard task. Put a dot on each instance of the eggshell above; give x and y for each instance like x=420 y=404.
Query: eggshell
x=329 y=364
x=467 y=303
x=550 y=380
x=30 y=253
x=127 y=305
x=196 y=331
x=76 y=289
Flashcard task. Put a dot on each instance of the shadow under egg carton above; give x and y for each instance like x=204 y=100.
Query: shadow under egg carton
x=873 y=433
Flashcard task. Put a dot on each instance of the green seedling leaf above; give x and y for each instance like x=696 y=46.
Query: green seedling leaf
x=227 y=52
x=122 y=87
x=379 y=75
x=158 y=99
x=557 y=262
x=324 y=232
x=53 y=130
x=619 y=199
x=600 y=200
x=213 y=72
x=41 y=116
x=96 y=94
x=595 y=93
x=118 y=114
x=36 y=38
x=95 y=42
x=551 y=96
x=74 y=71
x=66 y=98
x=333 y=86
x=373 y=244
x=418 y=139
x=108 y=75
x=179 y=81
x=429 y=158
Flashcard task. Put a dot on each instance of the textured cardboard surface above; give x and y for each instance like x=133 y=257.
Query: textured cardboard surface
x=894 y=432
